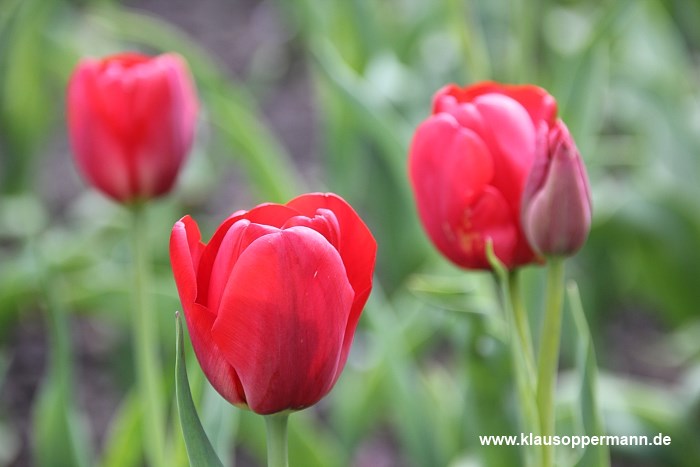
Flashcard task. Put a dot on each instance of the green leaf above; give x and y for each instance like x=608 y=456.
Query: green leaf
x=397 y=380
x=24 y=100
x=312 y=446
x=591 y=419
x=449 y=292
x=218 y=420
x=123 y=447
x=199 y=449
x=58 y=438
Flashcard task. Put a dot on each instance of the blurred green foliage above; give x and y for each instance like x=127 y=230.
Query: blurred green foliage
x=430 y=368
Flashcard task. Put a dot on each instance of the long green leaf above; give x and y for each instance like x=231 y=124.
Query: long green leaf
x=591 y=419
x=24 y=108
x=59 y=439
x=123 y=447
x=199 y=449
x=220 y=422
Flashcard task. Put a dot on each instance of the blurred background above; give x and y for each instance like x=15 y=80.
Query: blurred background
x=316 y=95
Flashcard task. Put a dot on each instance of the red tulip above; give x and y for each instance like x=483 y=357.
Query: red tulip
x=131 y=121
x=272 y=301
x=556 y=207
x=468 y=164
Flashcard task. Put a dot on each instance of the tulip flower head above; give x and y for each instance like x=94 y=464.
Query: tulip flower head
x=273 y=300
x=131 y=121
x=468 y=165
x=556 y=207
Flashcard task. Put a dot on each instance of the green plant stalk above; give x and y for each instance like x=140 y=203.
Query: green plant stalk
x=524 y=372
x=144 y=327
x=59 y=331
x=549 y=354
x=60 y=373
x=522 y=324
x=591 y=417
x=463 y=19
x=276 y=428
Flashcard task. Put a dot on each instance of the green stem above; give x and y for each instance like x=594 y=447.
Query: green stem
x=524 y=372
x=60 y=373
x=276 y=427
x=549 y=354
x=521 y=321
x=462 y=17
x=59 y=331
x=525 y=51
x=146 y=344
x=60 y=358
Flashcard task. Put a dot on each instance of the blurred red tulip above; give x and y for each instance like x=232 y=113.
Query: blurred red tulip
x=272 y=301
x=556 y=207
x=468 y=164
x=131 y=121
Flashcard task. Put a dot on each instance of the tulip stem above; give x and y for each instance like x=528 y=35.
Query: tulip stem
x=276 y=427
x=145 y=335
x=549 y=354
x=521 y=321
x=523 y=367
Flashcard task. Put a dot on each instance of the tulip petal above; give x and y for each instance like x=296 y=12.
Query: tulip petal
x=357 y=248
x=270 y=214
x=510 y=133
x=216 y=368
x=185 y=250
x=488 y=218
x=185 y=104
x=283 y=317
x=324 y=222
x=241 y=234
x=153 y=141
x=540 y=105
x=449 y=167
x=90 y=137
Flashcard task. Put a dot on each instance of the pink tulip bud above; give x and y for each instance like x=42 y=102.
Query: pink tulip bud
x=131 y=122
x=556 y=206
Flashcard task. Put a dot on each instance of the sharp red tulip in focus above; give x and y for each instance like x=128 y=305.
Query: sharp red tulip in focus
x=468 y=165
x=556 y=207
x=131 y=122
x=272 y=301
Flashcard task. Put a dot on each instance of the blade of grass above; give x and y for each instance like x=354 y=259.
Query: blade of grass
x=59 y=436
x=584 y=76
x=591 y=418
x=24 y=109
x=386 y=127
x=123 y=446
x=462 y=18
x=199 y=449
x=221 y=422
